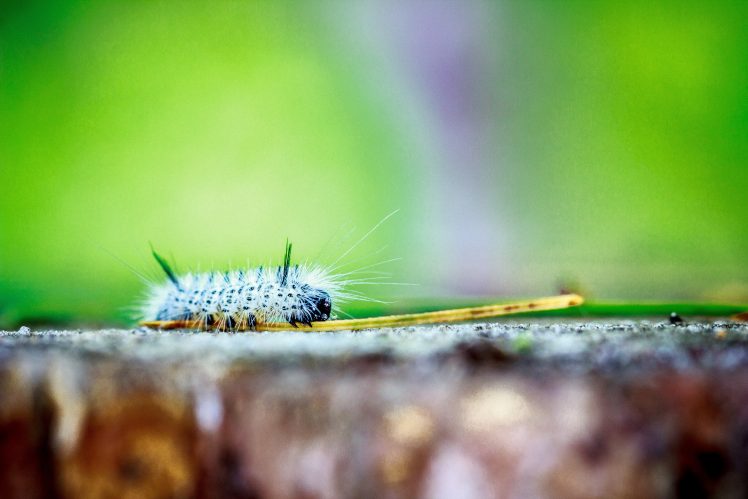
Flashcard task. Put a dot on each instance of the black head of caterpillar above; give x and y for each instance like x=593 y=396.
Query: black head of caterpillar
x=317 y=306
x=241 y=298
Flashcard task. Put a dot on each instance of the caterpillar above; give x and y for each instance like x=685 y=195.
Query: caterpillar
x=240 y=299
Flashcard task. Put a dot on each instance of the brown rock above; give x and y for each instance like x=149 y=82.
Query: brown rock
x=540 y=410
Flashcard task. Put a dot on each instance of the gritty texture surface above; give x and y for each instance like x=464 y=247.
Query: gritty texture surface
x=639 y=408
x=597 y=345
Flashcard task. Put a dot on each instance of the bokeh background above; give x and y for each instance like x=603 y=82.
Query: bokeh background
x=528 y=145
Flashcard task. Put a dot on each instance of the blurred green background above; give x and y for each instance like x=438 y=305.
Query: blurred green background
x=529 y=145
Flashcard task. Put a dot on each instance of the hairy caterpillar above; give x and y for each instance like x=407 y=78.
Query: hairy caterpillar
x=240 y=299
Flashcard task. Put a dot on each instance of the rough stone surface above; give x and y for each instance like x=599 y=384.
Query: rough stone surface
x=540 y=409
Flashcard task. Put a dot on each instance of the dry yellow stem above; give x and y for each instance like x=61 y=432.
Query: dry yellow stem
x=441 y=316
x=742 y=317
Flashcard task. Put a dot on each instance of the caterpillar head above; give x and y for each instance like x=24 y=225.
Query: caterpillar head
x=322 y=306
x=316 y=306
x=315 y=303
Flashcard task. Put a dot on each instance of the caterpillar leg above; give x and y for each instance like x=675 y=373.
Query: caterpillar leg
x=216 y=322
x=295 y=322
x=224 y=322
x=244 y=322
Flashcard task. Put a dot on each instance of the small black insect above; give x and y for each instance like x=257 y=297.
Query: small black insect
x=675 y=318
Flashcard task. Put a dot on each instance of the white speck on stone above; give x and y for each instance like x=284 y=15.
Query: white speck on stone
x=455 y=473
x=209 y=409
x=63 y=378
x=24 y=330
x=315 y=474
x=493 y=407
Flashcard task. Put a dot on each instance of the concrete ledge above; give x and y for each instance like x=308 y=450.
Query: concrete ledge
x=541 y=409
